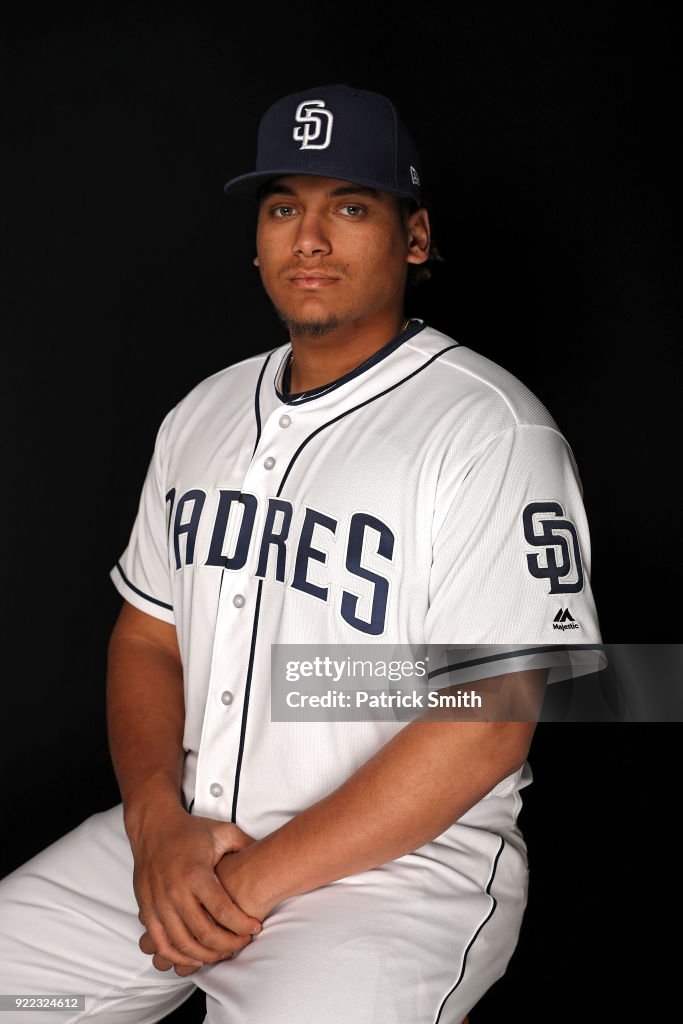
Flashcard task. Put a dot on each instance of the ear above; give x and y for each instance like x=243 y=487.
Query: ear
x=419 y=236
x=256 y=261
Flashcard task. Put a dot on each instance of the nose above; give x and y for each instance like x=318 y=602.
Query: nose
x=311 y=238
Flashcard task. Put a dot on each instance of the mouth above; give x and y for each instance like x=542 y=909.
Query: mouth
x=310 y=280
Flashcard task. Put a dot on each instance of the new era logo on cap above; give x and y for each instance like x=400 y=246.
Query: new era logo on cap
x=335 y=131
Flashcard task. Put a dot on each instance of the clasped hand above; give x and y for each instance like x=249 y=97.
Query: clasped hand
x=189 y=916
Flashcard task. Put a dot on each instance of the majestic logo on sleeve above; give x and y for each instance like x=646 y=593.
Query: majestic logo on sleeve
x=314 y=119
x=565 y=620
x=546 y=527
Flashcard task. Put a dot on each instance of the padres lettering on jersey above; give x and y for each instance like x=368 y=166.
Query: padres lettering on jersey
x=426 y=498
x=187 y=518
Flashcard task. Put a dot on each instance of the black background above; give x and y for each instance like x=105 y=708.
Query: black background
x=548 y=135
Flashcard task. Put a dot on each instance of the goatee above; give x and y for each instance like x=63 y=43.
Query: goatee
x=312 y=328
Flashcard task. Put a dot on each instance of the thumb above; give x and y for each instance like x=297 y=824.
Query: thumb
x=230 y=838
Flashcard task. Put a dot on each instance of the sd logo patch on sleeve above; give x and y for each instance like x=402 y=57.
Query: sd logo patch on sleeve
x=545 y=526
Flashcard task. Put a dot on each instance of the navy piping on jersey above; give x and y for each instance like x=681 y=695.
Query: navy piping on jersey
x=247 y=691
x=515 y=653
x=257 y=403
x=413 y=328
x=494 y=904
x=257 y=414
x=147 y=597
x=245 y=709
x=359 y=406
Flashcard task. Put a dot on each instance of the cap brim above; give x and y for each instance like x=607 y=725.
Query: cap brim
x=246 y=186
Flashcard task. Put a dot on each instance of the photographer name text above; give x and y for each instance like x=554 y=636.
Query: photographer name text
x=374 y=699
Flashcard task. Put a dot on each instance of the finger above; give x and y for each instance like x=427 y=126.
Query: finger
x=156 y=941
x=224 y=910
x=210 y=915
x=161 y=963
x=195 y=936
x=184 y=972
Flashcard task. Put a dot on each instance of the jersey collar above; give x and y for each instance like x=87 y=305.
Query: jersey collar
x=281 y=382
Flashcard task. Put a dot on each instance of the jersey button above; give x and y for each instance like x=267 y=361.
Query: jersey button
x=269 y=462
x=226 y=697
x=285 y=420
x=238 y=600
x=215 y=789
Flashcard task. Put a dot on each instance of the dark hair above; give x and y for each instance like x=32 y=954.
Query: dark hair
x=419 y=272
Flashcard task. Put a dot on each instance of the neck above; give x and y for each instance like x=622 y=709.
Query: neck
x=319 y=361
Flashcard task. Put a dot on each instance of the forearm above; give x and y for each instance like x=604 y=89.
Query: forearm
x=145 y=717
x=408 y=793
x=189 y=917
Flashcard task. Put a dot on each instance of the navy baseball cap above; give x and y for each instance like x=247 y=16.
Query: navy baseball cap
x=335 y=131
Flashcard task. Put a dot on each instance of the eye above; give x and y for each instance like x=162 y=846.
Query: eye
x=352 y=210
x=283 y=211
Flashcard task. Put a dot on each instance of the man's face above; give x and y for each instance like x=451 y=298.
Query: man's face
x=332 y=253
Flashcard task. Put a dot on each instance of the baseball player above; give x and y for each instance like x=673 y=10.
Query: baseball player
x=366 y=485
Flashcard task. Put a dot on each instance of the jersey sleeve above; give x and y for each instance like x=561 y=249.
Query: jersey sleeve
x=510 y=579
x=142 y=575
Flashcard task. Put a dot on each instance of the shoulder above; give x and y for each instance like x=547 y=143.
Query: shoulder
x=238 y=379
x=235 y=385
x=471 y=385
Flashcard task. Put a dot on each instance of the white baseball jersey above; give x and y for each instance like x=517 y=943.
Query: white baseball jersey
x=427 y=497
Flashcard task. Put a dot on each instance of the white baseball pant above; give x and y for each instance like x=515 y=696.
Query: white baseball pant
x=415 y=941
